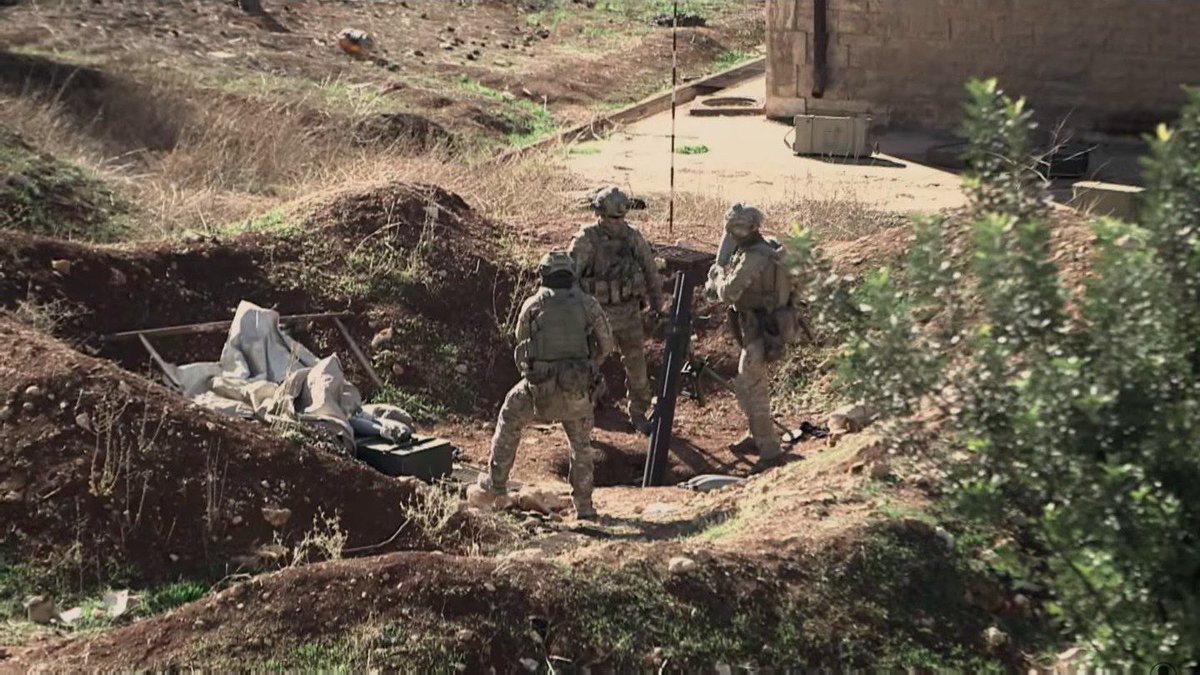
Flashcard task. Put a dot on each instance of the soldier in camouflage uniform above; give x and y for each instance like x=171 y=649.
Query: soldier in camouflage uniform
x=562 y=338
x=616 y=266
x=754 y=283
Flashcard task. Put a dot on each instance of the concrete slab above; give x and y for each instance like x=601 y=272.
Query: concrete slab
x=748 y=159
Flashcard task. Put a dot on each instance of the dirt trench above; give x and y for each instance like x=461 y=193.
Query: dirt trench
x=105 y=467
x=107 y=477
x=620 y=608
x=410 y=258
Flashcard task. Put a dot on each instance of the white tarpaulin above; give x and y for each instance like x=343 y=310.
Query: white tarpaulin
x=265 y=374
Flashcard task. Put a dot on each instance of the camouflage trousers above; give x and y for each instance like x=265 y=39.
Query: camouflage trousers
x=626 y=322
x=753 y=389
x=516 y=414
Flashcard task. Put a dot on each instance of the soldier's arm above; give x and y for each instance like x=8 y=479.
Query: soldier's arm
x=601 y=331
x=654 y=284
x=581 y=250
x=523 y=333
x=732 y=281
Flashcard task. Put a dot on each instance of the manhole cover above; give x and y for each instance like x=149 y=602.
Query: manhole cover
x=730 y=102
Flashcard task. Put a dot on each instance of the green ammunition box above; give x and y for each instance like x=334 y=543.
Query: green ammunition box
x=422 y=457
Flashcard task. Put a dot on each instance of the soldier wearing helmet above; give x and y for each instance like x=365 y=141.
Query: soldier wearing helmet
x=750 y=277
x=562 y=337
x=616 y=266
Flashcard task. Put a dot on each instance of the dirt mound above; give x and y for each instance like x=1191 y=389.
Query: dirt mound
x=853 y=602
x=125 y=114
x=42 y=195
x=404 y=129
x=106 y=476
x=412 y=258
x=1071 y=242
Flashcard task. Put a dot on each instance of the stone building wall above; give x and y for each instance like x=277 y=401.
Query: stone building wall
x=1109 y=65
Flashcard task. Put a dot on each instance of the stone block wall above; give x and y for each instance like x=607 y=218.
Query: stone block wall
x=1108 y=65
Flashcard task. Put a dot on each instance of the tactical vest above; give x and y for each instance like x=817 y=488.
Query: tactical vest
x=561 y=375
x=614 y=275
x=770 y=290
x=559 y=327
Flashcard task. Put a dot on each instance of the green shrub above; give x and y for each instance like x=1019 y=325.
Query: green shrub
x=1073 y=430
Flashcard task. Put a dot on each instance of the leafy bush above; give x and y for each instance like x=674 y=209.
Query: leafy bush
x=1071 y=428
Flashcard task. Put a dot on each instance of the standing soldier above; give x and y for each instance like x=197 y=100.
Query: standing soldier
x=751 y=278
x=562 y=338
x=616 y=266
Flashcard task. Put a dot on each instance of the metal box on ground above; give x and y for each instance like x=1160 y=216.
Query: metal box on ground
x=423 y=457
x=1107 y=199
x=833 y=135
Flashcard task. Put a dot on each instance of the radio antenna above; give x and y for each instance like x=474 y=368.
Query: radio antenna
x=674 y=85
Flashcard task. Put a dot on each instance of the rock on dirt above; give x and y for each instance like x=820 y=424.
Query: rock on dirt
x=70 y=616
x=383 y=337
x=880 y=470
x=276 y=517
x=659 y=509
x=681 y=565
x=849 y=419
x=541 y=501
x=994 y=637
x=481 y=499
x=118 y=603
x=40 y=609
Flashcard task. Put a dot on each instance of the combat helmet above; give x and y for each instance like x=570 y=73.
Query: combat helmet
x=556 y=262
x=611 y=202
x=741 y=221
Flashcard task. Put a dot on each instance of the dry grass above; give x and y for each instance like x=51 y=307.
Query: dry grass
x=232 y=157
x=46 y=317
x=229 y=157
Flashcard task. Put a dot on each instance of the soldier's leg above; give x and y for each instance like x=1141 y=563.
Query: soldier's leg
x=632 y=344
x=579 y=435
x=753 y=387
x=515 y=415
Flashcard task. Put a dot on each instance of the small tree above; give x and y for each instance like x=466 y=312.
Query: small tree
x=1080 y=435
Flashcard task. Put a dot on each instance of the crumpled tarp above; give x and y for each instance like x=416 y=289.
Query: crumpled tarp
x=264 y=374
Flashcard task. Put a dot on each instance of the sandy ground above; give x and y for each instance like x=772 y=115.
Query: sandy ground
x=748 y=160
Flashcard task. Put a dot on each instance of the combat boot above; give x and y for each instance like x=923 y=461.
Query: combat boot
x=745 y=445
x=485 y=483
x=765 y=463
x=641 y=423
x=483 y=495
x=584 y=510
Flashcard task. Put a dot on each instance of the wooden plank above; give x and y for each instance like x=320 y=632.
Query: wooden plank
x=644 y=108
x=358 y=354
x=160 y=362
x=214 y=326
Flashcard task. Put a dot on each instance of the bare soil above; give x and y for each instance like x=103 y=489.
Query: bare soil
x=107 y=475
x=621 y=608
x=566 y=55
